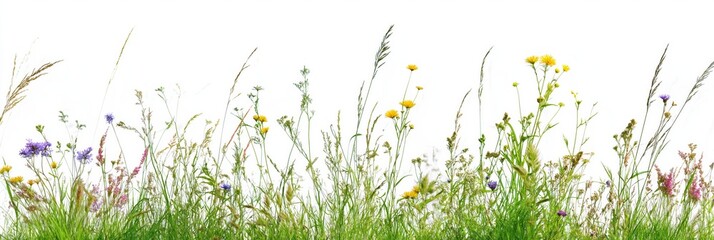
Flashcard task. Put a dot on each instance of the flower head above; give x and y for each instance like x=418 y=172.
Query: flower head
x=566 y=67
x=260 y=118
x=562 y=213
x=35 y=148
x=666 y=182
x=412 y=67
x=407 y=103
x=53 y=165
x=420 y=88
x=85 y=156
x=5 y=169
x=492 y=185
x=33 y=181
x=532 y=59
x=109 y=117
x=557 y=70
x=392 y=114
x=264 y=130
x=16 y=179
x=410 y=194
x=664 y=97
x=547 y=60
x=225 y=186
x=695 y=190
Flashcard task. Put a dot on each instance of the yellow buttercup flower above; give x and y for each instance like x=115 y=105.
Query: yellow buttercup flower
x=420 y=88
x=16 y=179
x=53 y=165
x=264 y=130
x=260 y=118
x=566 y=68
x=33 y=181
x=547 y=60
x=407 y=103
x=410 y=194
x=392 y=114
x=532 y=59
x=412 y=67
x=5 y=169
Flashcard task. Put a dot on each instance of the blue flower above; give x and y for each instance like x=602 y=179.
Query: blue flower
x=562 y=213
x=35 y=148
x=664 y=97
x=109 y=117
x=85 y=156
x=492 y=185
x=225 y=186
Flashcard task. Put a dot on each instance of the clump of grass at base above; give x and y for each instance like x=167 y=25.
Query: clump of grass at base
x=223 y=180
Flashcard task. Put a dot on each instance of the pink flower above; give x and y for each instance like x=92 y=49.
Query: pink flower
x=695 y=190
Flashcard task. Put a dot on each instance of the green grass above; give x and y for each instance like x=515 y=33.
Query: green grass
x=348 y=182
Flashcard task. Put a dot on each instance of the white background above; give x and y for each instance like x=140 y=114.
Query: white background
x=612 y=48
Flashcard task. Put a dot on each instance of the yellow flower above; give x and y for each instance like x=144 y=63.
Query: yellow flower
x=532 y=59
x=420 y=88
x=547 y=60
x=557 y=70
x=33 y=181
x=16 y=179
x=407 y=103
x=53 y=165
x=416 y=189
x=410 y=194
x=5 y=169
x=412 y=67
x=392 y=114
x=260 y=118
x=411 y=126
x=264 y=130
x=566 y=68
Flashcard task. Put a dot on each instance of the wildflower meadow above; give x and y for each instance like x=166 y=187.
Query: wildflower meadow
x=528 y=170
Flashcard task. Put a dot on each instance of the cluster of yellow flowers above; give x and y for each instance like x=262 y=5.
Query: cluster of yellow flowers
x=16 y=179
x=260 y=118
x=548 y=61
x=5 y=169
x=33 y=181
x=412 y=194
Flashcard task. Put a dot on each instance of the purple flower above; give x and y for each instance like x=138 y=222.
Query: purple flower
x=664 y=97
x=35 y=148
x=225 y=186
x=109 y=117
x=695 y=190
x=85 y=156
x=492 y=185
x=607 y=183
x=562 y=213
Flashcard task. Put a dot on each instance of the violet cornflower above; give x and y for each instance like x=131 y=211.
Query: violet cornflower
x=225 y=186
x=109 y=117
x=492 y=185
x=35 y=148
x=664 y=97
x=85 y=156
x=562 y=213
